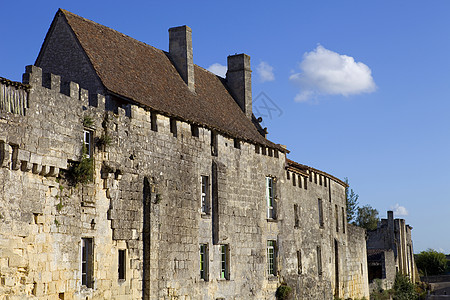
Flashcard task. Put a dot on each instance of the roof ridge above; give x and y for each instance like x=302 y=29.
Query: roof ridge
x=65 y=12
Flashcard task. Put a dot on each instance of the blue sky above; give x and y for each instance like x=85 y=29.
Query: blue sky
x=373 y=77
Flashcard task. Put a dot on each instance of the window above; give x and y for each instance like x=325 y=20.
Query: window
x=320 y=179
x=205 y=195
x=271 y=258
x=319 y=260
x=87 y=138
x=343 y=220
x=305 y=183
x=153 y=121
x=320 y=212
x=270 y=152
x=224 y=262
x=288 y=175
x=271 y=213
x=122 y=268
x=204 y=262
x=336 y=215
x=87 y=261
x=315 y=178
x=325 y=179
x=296 y=218
x=300 y=179
x=257 y=149
x=310 y=176
x=299 y=262
x=263 y=149
x=214 y=143
x=294 y=179
x=237 y=144
x=194 y=130
x=275 y=153
x=173 y=127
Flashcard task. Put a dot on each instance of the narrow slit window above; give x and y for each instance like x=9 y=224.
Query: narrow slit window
x=299 y=262
x=270 y=199
x=204 y=262
x=205 y=198
x=257 y=149
x=153 y=121
x=319 y=261
x=224 y=262
x=87 y=262
x=214 y=144
x=296 y=216
x=320 y=207
x=122 y=265
x=305 y=181
x=343 y=220
x=294 y=181
x=336 y=215
x=173 y=127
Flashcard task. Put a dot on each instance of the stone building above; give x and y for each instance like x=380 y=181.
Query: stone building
x=128 y=172
x=390 y=250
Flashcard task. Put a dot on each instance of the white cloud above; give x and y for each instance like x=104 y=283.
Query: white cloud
x=265 y=72
x=218 y=69
x=399 y=210
x=326 y=72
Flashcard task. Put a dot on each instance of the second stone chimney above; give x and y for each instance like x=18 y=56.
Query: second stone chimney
x=180 y=50
x=239 y=79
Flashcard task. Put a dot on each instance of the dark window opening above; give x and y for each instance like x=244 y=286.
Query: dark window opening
x=296 y=216
x=320 y=204
x=214 y=149
x=299 y=262
x=194 y=130
x=204 y=262
x=153 y=121
x=173 y=127
x=87 y=262
x=257 y=149
x=237 y=144
x=122 y=268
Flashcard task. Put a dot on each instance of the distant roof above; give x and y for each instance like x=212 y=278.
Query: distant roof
x=305 y=169
x=14 y=83
x=146 y=76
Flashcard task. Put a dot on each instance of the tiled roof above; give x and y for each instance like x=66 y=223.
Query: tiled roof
x=304 y=169
x=146 y=75
x=14 y=83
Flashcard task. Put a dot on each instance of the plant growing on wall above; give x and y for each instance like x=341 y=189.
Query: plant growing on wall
x=283 y=292
x=88 y=121
x=83 y=172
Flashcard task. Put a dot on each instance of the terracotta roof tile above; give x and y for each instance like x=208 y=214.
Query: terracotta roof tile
x=146 y=75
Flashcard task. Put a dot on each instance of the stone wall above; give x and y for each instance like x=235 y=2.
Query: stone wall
x=145 y=199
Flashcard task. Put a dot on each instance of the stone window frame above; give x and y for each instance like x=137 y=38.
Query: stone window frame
x=320 y=209
x=271 y=255
x=88 y=142
x=122 y=264
x=205 y=195
x=203 y=261
x=270 y=186
x=87 y=262
x=225 y=261
x=319 y=261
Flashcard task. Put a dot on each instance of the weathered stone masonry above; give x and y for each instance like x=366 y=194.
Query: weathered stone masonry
x=145 y=201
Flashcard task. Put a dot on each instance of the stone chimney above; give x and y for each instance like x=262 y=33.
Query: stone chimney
x=239 y=79
x=180 y=50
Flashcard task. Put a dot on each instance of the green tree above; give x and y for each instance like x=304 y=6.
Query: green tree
x=351 y=201
x=431 y=262
x=367 y=217
x=403 y=288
